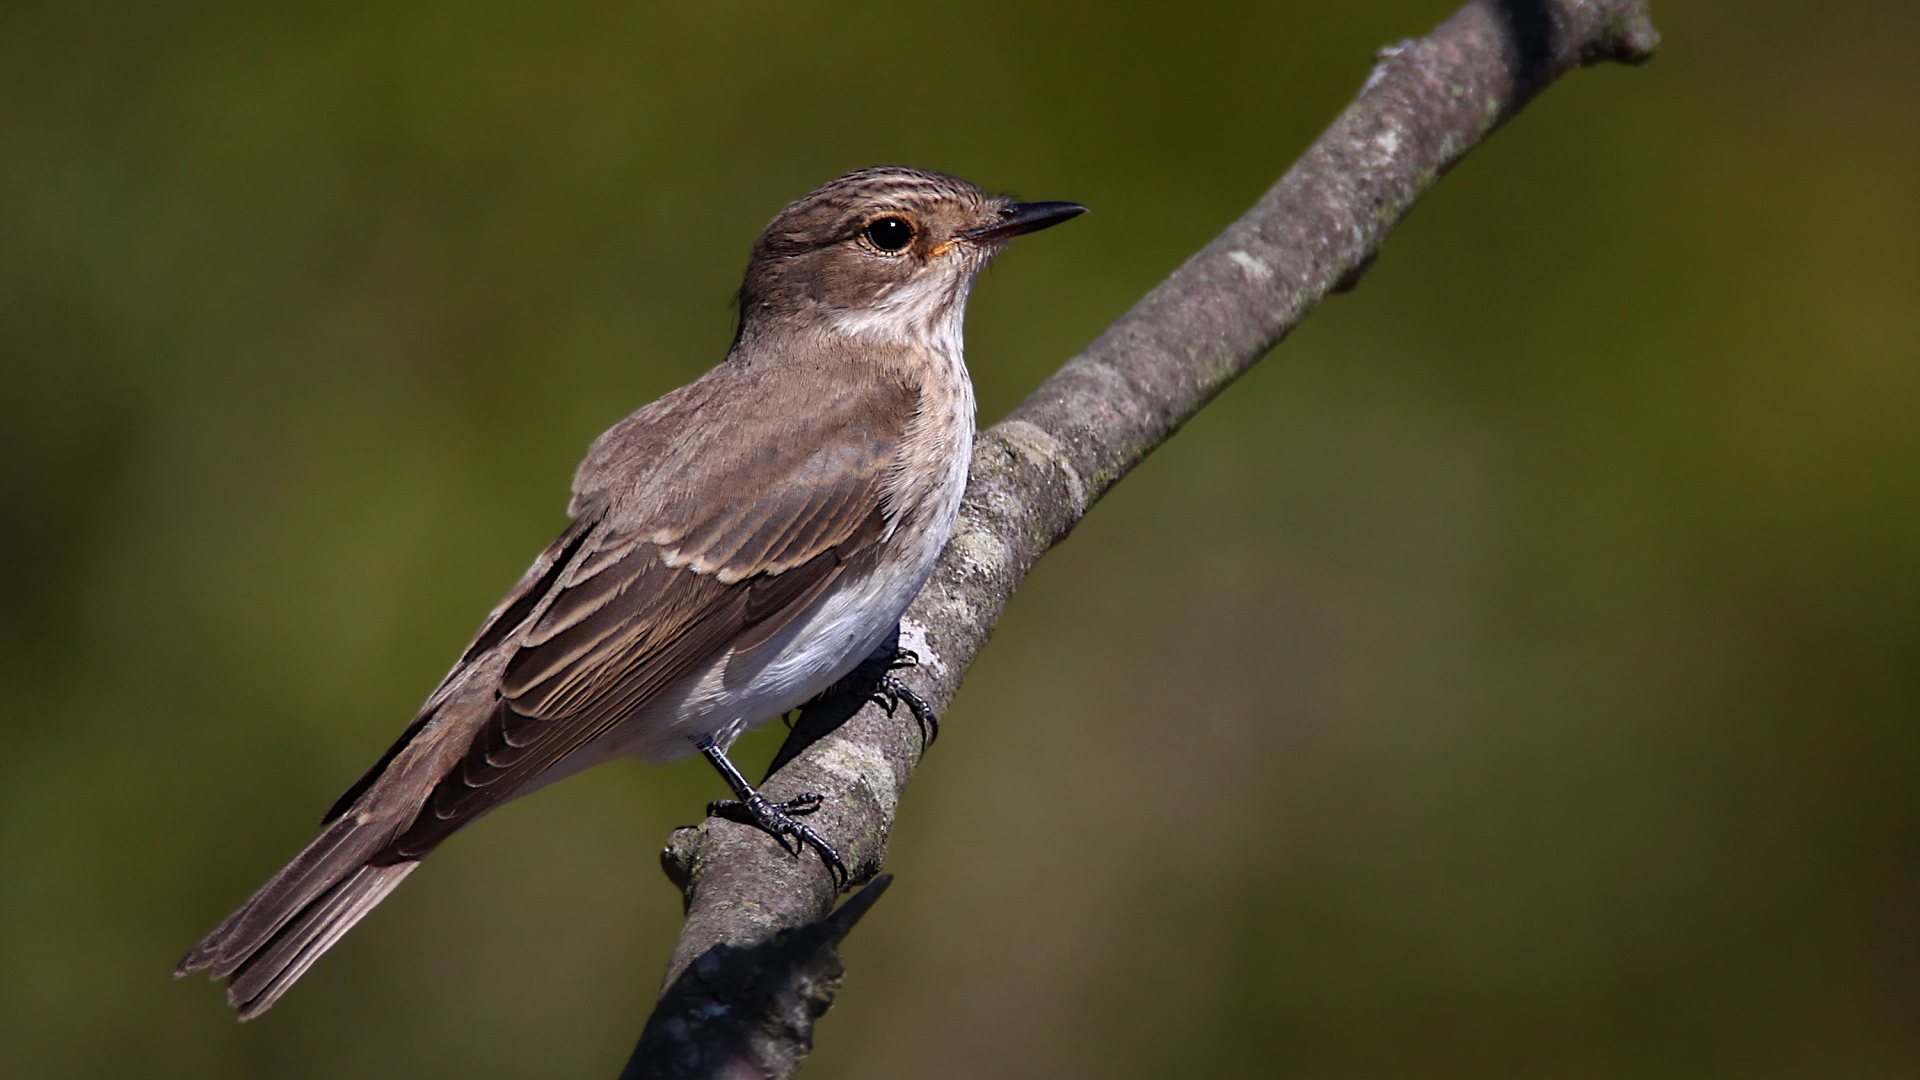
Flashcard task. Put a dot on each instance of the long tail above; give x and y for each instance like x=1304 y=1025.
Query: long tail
x=276 y=936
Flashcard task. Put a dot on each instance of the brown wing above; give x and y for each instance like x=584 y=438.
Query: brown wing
x=656 y=576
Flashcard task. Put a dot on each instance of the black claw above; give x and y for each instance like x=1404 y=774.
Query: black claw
x=805 y=804
x=892 y=693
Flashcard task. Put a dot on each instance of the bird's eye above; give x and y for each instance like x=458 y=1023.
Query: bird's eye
x=890 y=234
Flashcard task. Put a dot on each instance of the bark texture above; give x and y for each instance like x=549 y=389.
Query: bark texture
x=756 y=960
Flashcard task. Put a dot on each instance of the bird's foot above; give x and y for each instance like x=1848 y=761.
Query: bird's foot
x=891 y=692
x=777 y=820
x=749 y=807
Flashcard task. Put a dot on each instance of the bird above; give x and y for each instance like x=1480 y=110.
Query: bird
x=734 y=549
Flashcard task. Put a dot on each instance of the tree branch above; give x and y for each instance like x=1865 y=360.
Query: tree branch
x=755 y=963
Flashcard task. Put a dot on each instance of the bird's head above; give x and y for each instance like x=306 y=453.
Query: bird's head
x=887 y=252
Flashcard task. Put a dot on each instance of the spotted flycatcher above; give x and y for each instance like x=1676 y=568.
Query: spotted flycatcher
x=736 y=548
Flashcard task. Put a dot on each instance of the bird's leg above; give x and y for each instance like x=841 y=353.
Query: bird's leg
x=749 y=807
x=890 y=693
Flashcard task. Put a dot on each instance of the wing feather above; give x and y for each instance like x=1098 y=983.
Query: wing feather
x=640 y=600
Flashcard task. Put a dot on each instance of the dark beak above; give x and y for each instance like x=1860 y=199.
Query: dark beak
x=1018 y=219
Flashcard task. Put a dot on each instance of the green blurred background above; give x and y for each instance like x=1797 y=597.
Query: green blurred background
x=1516 y=676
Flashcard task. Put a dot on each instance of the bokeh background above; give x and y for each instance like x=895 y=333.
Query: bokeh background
x=1516 y=676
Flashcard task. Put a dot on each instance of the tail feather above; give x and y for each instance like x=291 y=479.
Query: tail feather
x=338 y=852
x=277 y=935
x=270 y=971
